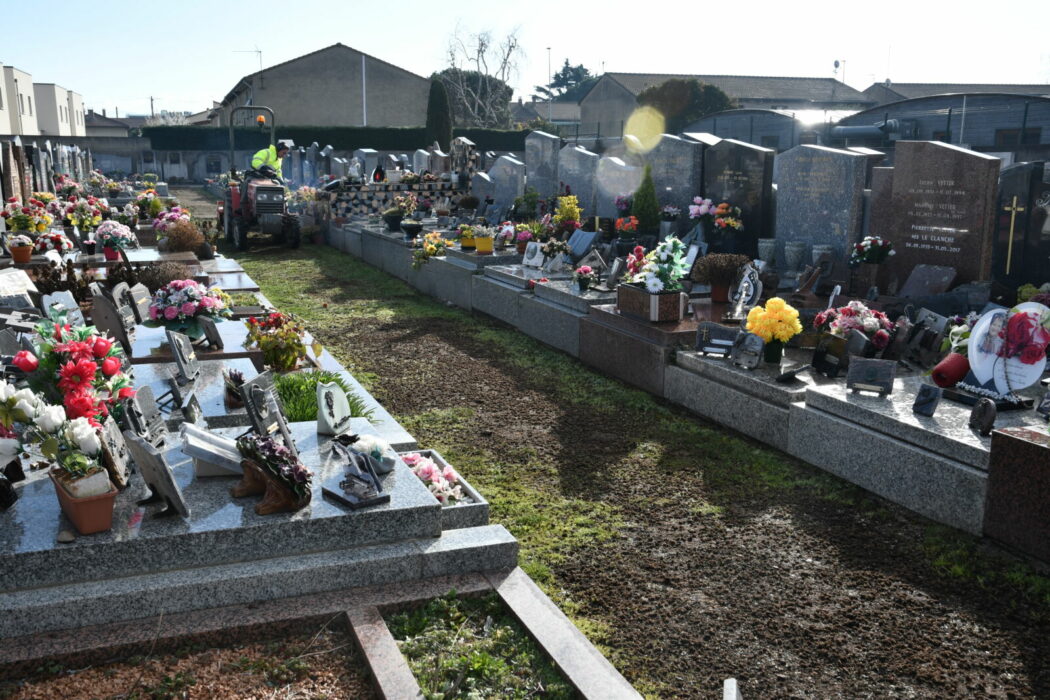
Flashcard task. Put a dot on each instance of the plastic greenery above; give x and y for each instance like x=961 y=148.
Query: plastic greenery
x=664 y=267
x=298 y=394
x=279 y=461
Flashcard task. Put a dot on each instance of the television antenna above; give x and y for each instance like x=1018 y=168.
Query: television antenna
x=257 y=51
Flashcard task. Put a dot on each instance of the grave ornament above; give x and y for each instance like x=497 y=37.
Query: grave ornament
x=359 y=485
x=211 y=332
x=333 y=409
x=982 y=417
x=927 y=399
x=115 y=453
x=213 y=455
x=264 y=410
x=715 y=339
x=142 y=417
x=1007 y=353
x=158 y=477
x=747 y=350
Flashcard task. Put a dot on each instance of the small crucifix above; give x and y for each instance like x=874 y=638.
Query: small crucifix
x=1013 y=209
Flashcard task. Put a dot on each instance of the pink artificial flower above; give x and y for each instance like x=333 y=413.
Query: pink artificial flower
x=153 y=313
x=189 y=308
x=170 y=313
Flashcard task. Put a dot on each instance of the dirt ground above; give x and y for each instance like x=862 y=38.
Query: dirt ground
x=688 y=553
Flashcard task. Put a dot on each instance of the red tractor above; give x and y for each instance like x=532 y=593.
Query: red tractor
x=257 y=202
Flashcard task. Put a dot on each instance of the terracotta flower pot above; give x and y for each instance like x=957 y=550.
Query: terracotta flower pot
x=950 y=371
x=521 y=247
x=22 y=254
x=111 y=253
x=88 y=515
x=720 y=293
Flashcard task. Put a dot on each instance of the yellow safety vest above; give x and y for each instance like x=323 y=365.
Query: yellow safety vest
x=267 y=156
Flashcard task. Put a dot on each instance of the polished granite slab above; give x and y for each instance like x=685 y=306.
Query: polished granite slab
x=508 y=257
x=151 y=345
x=567 y=293
x=232 y=281
x=520 y=276
x=209 y=389
x=946 y=433
x=220 y=528
x=221 y=264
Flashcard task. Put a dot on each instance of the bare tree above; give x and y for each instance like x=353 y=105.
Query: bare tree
x=166 y=118
x=478 y=77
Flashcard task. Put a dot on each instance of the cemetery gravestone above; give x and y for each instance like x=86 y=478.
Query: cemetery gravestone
x=741 y=174
x=482 y=187
x=820 y=199
x=614 y=177
x=369 y=159
x=140 y=299
x=1022 y=231
x=942 y=210
x=421 y=161
x=677 y=166
x=508 y=179
x=577 y=171
x=541 y=162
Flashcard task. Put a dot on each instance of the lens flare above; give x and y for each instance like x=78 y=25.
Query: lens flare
x=646 y=124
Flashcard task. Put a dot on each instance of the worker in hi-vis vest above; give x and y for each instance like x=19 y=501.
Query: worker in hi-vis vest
x=270 y=156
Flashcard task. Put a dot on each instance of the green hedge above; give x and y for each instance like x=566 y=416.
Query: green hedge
x=345 y=138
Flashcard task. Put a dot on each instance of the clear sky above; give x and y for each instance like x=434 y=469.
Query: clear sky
x=182 y=52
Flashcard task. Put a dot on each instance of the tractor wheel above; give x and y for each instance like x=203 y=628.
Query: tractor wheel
x=227 y=218
x=240 y=233
x=290 y=230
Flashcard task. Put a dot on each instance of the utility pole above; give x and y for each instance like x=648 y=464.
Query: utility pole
x=151 y=112
x=550 y=94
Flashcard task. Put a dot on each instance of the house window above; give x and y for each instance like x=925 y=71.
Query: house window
x=1008 y=137
x=174 y=158
x=29 y=98
x=213 y=164
x=147 y=156
x=21 y=103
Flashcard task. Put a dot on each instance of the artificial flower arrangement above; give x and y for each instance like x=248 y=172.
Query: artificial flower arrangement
x=1025 y=336
x=855 y=316
x=181 y=301
x=278 y=466
x=67 y=187
x=404 y=204
x=626 y=227
x=33 y=217
x=165 y=220
x=777 y=322
x=465 y=235
x=443 y=483
x=567 y=217
x=144 y=202
x=430 y=245
x=635 y=261
x=112 y=234
x=77 y=366
x=19 y=241
x=409 y=178
x=722 y=216
x=507 y=232
x=44 y=197
x=531 y=284
x=585 y=277
x=957 y=340
x=128 y=216
x=623 y=203
x=52 y=241
x=669 y=212
x=554 y=247
x=523 y=233
x=83 y=213
x=663 y=268
x=873 y=250
x=280 y=338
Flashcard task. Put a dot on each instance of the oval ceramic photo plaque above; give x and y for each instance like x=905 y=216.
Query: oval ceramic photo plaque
x=1003 y=375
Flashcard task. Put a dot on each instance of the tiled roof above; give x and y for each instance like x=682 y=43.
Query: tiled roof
x=754 y=87
x=96 y=119
x=910 y=90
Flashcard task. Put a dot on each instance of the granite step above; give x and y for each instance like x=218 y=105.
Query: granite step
x=68 y=606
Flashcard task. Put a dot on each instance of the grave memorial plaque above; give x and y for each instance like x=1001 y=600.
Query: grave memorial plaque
x=616 y=271
x=715 y=339
x=158 y=477
x=264 y=410
x=333 y=409
x=594 y=260
x=927 y=280
x=115 y=453
x=140 y=299
x=614 y=177
x=820 y=199
x=581 y=241
x=359 y=485
x=830 y=357
x=942 y=210
x=747 y=350
x=142 y=417
x=927 y=400
x=185 y=357
x=871 y=375
x=533 y=255
x=16 y=289
x=741 y=174
x=211 y=332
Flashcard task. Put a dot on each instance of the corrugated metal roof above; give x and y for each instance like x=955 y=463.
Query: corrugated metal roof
x=911 y=90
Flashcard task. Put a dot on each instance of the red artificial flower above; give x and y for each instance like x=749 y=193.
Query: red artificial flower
x=26 y=361
x=110 y=366
x=78 y=350
x=880 y=339
x=1032 y=354
x=80 y=404
x=1017 y=333
x=59 y=330
x=125 y=392
x=78 y=376
x=101 y=346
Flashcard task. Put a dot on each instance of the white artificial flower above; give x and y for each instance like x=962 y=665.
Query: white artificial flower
x=653 y=284
x=871 y=325
x=51 y=419
x=27 y=408
x=9 y=447
x=6 y=391
x=86 y=438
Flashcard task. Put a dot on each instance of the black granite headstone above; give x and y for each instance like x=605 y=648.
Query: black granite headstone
x=1022 y=230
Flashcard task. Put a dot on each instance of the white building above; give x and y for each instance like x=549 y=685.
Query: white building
x=18 y=105
x=59 y=112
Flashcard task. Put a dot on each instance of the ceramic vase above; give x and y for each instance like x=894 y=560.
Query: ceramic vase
x=767 y=248
x=793 y=252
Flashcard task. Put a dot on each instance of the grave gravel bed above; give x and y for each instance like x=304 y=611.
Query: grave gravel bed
x=686 y=552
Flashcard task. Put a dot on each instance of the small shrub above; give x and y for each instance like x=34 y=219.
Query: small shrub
x=156 y=275
x=184 y=236
x=298 y=393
